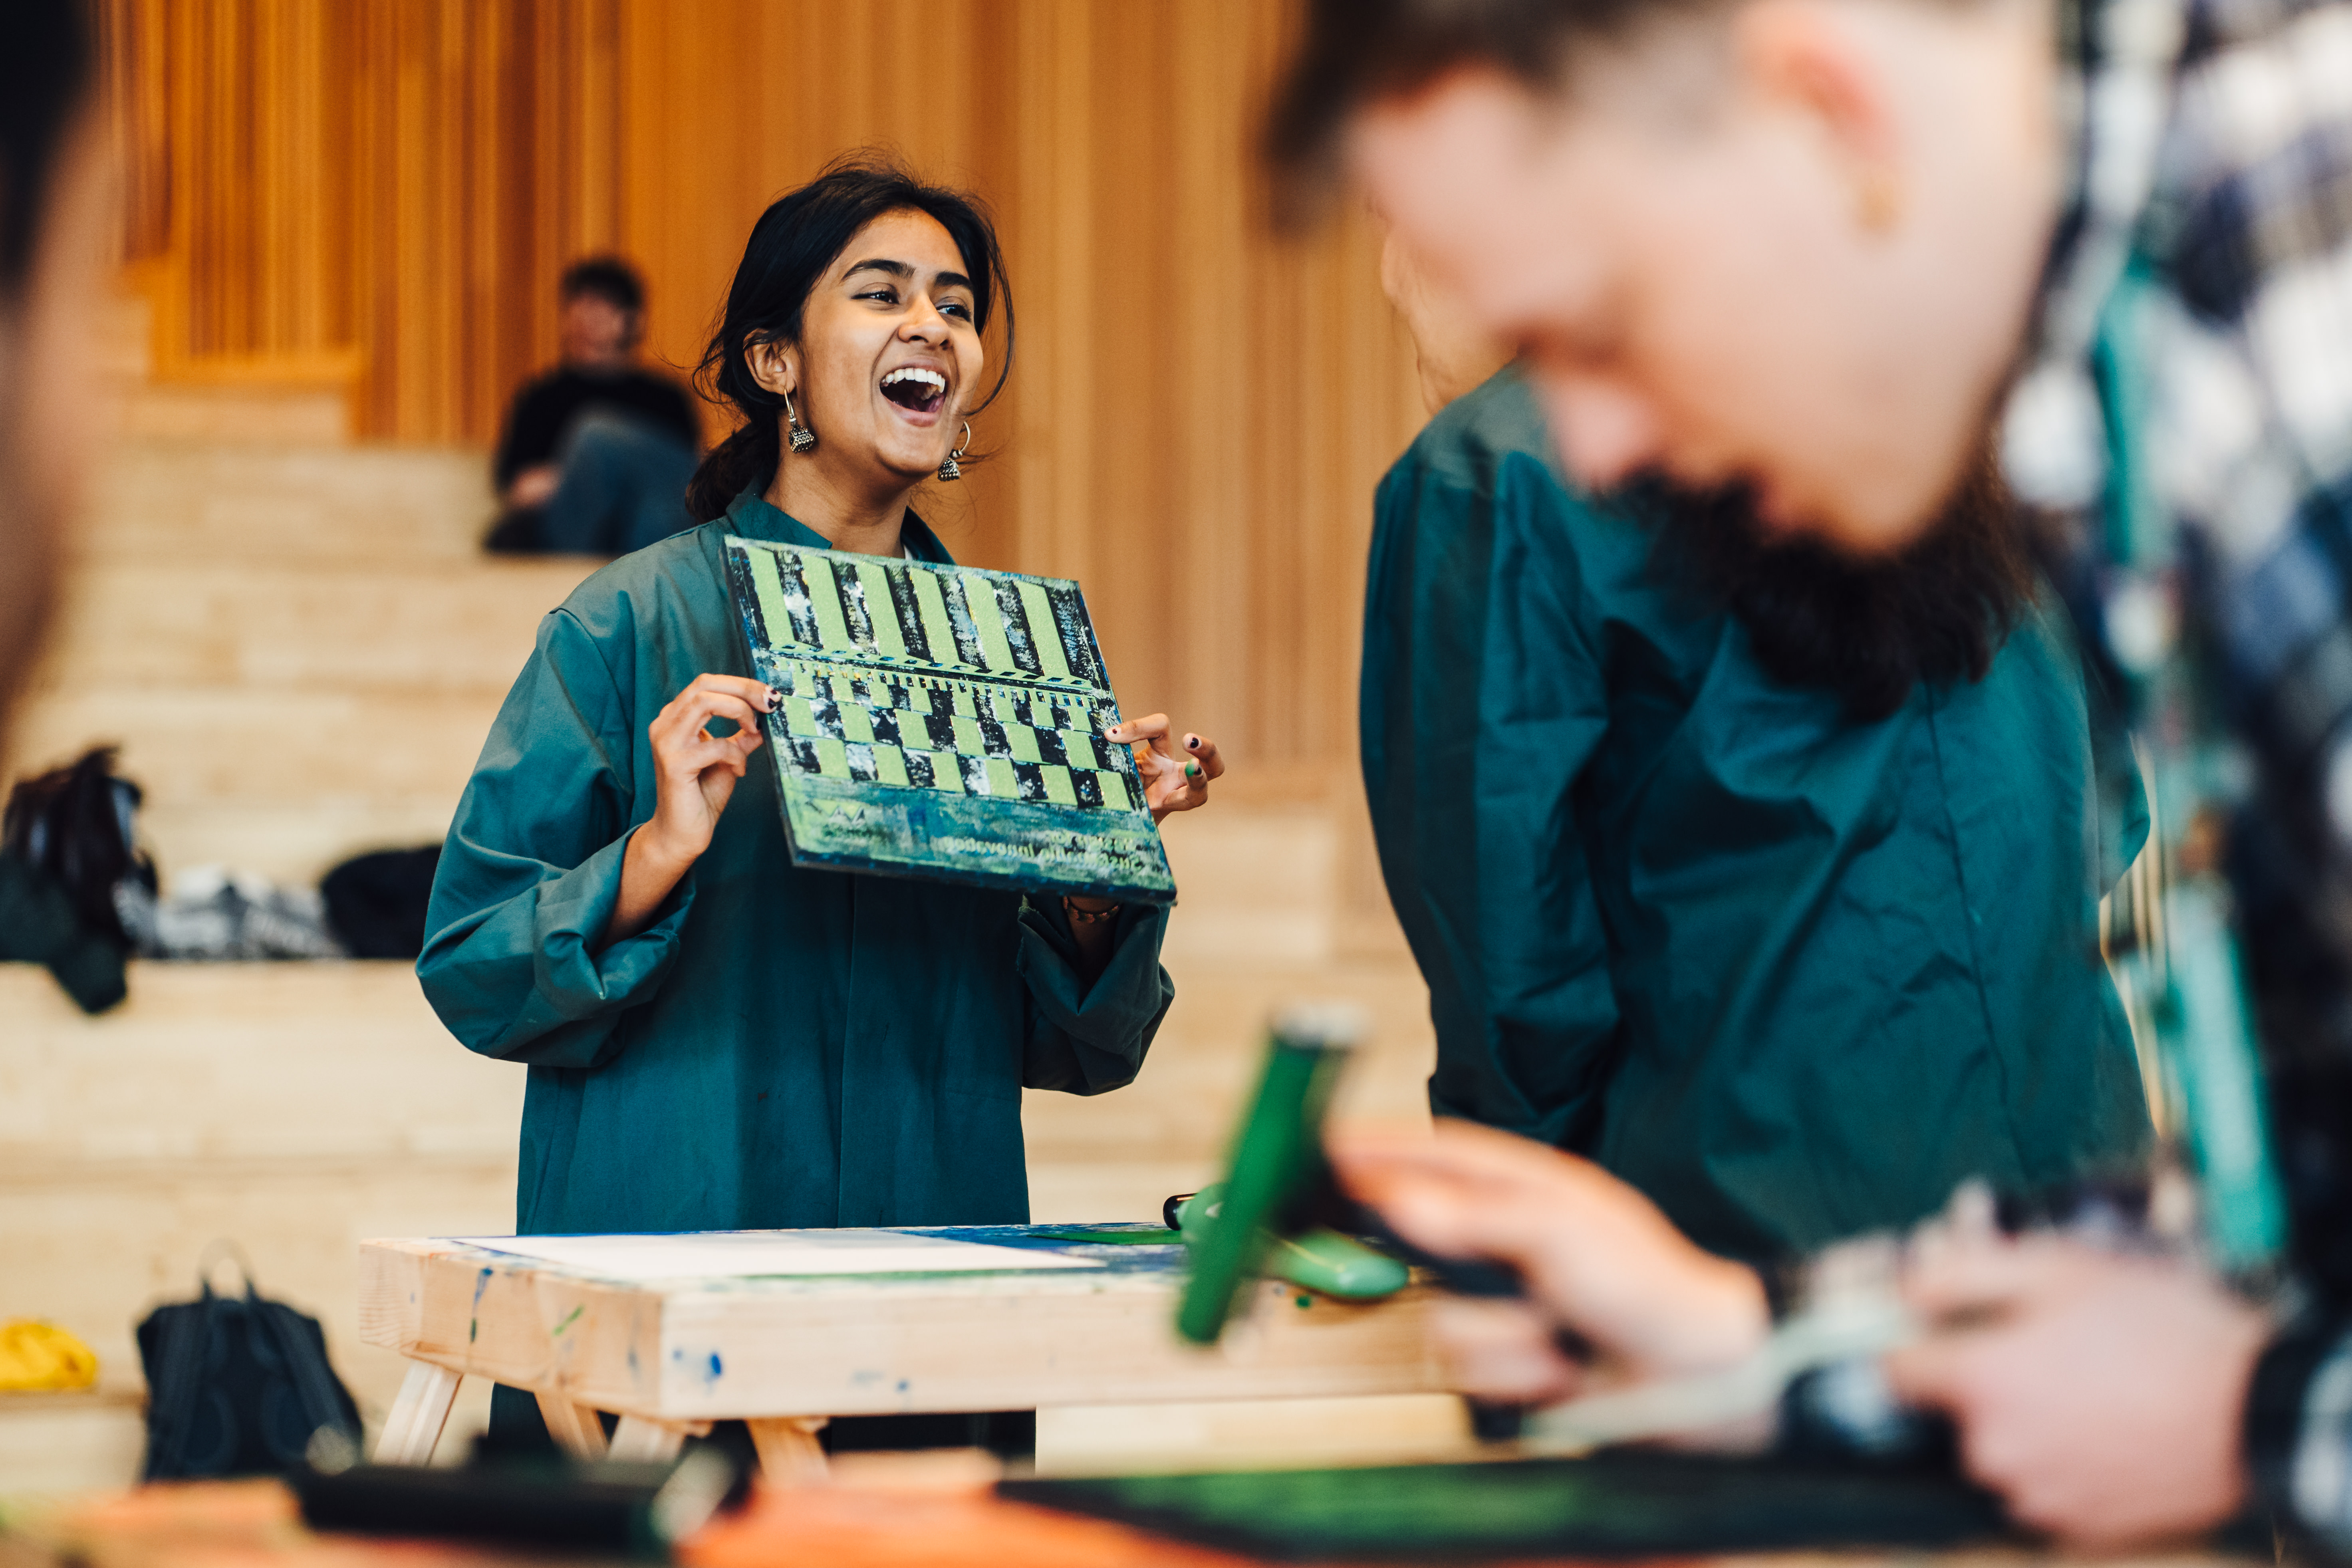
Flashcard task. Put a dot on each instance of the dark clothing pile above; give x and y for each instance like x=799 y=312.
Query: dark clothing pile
x=376 y=902
x=37 y=925
x=68 y=858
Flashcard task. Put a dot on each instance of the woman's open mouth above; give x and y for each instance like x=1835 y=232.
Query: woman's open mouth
x=915 y=389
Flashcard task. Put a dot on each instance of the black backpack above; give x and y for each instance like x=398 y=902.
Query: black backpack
x=238 y=1385
x=76 y=824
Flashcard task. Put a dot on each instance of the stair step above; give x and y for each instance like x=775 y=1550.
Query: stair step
x=174 y=626
x=277 y=504
x=58 y=1443
x=1254 y=884
x=292 y=844
x=262 y=413
x=246 y=1063
x=1206 y=1056
x=345 y=1062
x=296 y=750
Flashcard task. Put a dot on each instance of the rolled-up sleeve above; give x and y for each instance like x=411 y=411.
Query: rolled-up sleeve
x=532 y=871
x=1087 y=1038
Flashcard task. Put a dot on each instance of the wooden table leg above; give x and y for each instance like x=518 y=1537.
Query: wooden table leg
x=414 y=1429
x=789 y=1451
x=574 y=1427
x=639 y=1440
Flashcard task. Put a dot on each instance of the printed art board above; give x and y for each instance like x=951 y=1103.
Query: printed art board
x=943 y=722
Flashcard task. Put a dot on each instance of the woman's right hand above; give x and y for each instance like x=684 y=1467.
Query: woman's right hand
x=695 y=774
x=694 y=771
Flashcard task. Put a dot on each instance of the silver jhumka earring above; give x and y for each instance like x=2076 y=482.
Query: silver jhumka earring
x=803 y=439
x=950 y=469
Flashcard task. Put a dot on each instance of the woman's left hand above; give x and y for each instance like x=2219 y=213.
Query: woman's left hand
x=1175 y=777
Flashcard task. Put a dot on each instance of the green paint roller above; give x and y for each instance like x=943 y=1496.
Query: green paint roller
x=1258 y=1220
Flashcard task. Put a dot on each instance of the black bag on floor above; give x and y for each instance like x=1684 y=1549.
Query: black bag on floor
x=69 y=856
x=238 y=1387
x=376 y=902
x=76 y=824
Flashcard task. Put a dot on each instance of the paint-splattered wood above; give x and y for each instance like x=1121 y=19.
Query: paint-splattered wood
x=699 y=1349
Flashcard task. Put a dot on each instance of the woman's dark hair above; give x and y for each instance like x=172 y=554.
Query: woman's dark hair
x=1869 y=630
x=801 y=235
x=43 y=73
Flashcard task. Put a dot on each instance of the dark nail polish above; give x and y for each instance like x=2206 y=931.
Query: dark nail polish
x=1192 y=770
x=1191 y=742
x=774 y=697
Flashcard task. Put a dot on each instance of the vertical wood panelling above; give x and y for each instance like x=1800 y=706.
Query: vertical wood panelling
x=1199 y=411
x=1216 y=331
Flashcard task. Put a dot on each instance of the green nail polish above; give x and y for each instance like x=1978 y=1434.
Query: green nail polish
x=1192 y=770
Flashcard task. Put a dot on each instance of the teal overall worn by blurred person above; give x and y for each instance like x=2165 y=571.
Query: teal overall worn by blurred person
x=1792 y=974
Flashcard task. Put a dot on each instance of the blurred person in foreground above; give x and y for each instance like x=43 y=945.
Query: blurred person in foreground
x=1816 y=249
x=55 y=201
x=1729 y=865
x=596 y=454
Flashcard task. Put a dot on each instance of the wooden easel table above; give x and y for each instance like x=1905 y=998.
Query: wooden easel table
x=785 y=1354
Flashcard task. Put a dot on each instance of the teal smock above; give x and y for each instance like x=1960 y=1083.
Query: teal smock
x=1791 y=975
x=780 y=1048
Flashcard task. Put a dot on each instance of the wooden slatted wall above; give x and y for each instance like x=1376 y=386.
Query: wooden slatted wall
x=1199 y=411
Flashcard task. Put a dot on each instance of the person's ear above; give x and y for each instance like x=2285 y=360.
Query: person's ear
x=1811 y=60
x=775 y=365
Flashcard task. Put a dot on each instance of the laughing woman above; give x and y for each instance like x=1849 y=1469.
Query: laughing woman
x=716 y=1040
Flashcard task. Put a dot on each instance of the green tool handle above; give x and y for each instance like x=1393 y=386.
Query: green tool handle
x=1271 y=1151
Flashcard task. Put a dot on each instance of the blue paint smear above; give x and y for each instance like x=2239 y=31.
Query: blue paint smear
x=1127 y=1258
x=716 y=1370
x=482 y=1283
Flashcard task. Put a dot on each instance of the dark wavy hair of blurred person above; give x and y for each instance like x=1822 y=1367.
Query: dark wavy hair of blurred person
x=1870 y=630
x=44 y=104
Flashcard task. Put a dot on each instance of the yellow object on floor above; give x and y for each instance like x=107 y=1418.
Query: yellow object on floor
x=41 y=1358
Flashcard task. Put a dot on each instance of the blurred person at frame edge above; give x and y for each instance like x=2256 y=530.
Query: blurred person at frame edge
x=57 y=195
x=1826 y=253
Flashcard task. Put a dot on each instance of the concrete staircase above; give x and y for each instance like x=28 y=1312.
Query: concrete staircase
x=298 y=649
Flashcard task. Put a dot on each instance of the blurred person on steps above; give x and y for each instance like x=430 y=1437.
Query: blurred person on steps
x=596 y=454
